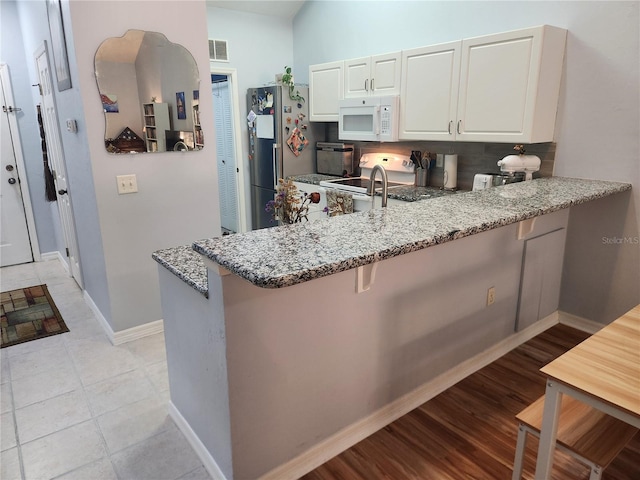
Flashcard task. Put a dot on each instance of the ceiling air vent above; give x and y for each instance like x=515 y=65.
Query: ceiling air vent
x=218 y=50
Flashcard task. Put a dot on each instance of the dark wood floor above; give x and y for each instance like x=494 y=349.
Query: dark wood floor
x=469 y=431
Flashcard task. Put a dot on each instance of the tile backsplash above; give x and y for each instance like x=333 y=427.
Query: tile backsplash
x=473 y=157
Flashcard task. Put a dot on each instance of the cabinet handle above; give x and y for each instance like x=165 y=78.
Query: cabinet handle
x=449 y=128
x=372 y=87
x=458 y=128
x=366 y=81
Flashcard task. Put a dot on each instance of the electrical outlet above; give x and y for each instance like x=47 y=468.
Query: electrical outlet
x=127 y=184
x=491 y=296
x=440 y=160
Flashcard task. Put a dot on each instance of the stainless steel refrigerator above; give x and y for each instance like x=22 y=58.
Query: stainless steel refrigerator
x=278 y=126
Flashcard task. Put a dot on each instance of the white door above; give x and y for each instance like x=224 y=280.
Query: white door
x=15 y=245
x=430 y=77
x=225 y=155
x=56 y=157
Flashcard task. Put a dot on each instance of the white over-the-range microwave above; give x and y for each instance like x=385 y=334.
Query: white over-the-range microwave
x=369 y=118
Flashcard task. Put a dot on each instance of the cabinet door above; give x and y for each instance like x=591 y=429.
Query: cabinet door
x=541 y=278
x=429 y=94
x=357 y=81
x=499 y=77
x=325 y=91
x=385 y=74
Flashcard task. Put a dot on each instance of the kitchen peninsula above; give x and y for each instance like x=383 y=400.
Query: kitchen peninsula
x=360 y=318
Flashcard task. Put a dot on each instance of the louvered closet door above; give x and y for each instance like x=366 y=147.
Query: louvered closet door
x=227 y=169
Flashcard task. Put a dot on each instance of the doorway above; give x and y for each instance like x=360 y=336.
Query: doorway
x=228 y=148
x=18 y=239
x=56 y=156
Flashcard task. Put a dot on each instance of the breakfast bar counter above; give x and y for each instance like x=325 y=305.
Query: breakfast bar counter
x=283 y=256
x=309 y=337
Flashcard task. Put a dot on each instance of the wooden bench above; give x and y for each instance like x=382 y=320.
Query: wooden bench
x=585 y=433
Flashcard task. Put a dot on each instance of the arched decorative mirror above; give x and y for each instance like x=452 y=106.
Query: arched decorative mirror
x=149 y=88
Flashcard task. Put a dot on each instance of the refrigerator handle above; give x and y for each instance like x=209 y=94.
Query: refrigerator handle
x=275 y=165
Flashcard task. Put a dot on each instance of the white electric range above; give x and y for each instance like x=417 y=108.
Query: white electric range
x=400 y=172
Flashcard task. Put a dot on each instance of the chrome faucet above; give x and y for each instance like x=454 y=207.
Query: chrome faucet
x=385 y=185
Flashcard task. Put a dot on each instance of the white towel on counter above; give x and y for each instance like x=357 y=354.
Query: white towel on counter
x=339 y=203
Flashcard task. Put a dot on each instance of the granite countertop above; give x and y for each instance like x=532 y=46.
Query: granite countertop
x=185 y=263
x=312 y=178
x=290 y=254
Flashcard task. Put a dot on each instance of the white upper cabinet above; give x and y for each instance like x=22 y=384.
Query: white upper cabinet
x=509 y=86
x=377 y=75
x=325 y=91
x=429 y=97
x=495 y=88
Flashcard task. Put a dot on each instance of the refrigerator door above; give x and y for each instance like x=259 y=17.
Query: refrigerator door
x=295 y=115
x=264 y=136
x=259 y=217
x=279 y=131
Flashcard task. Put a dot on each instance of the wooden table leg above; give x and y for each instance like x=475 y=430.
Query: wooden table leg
x=549 y=430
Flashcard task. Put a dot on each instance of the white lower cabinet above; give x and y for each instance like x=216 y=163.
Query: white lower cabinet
x=541 y=277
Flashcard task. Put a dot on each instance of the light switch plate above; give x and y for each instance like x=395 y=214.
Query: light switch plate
x=127 y=184
x=72 y=125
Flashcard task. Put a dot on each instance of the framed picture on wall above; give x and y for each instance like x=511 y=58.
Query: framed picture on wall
x=58 y=44
x=182 y=112
x=109 y=103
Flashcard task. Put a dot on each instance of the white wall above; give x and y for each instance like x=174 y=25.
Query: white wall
x=598 y=126
x=177 y=200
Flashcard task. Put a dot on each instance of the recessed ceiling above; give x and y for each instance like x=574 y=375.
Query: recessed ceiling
x=279 y=8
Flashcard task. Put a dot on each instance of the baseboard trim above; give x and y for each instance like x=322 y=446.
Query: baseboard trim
x=352 y=434
x=579 y=323
x=55 y=255
x=207 y=460
x=48 y=256
x=123 y=336
x=98 y=314
x=140 y=331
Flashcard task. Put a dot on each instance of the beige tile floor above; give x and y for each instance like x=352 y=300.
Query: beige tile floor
x=73 y=406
